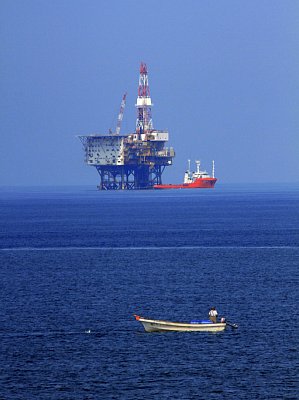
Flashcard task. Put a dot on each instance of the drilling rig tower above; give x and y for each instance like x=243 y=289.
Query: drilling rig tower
x=135 y=160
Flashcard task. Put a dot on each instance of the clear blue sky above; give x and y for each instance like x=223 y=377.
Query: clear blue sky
x=224 y=78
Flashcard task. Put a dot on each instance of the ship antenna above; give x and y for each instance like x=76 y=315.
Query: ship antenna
x=213 y=169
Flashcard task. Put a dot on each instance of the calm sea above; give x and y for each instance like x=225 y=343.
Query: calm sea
x=76 y=264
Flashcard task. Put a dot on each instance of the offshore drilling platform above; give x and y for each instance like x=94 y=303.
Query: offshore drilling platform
x=135 y=160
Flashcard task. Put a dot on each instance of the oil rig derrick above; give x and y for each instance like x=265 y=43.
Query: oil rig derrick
x=135 y=160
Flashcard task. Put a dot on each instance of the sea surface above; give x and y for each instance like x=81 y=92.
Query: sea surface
x=76 y=264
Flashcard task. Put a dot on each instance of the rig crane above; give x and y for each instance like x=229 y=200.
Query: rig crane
x=121 y=114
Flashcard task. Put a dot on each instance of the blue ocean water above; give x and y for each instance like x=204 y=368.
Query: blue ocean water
x=76 y=264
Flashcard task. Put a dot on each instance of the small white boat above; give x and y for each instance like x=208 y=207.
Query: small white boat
x=152 y=325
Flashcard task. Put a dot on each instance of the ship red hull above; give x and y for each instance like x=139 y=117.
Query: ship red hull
x=199 y=183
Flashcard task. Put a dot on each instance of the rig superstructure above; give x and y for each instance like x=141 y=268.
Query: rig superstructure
x=131 y=161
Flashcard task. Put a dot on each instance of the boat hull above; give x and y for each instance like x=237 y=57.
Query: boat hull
x=199 y=183
x=167 y=326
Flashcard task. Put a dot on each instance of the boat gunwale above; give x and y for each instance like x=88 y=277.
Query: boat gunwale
x=182 y=324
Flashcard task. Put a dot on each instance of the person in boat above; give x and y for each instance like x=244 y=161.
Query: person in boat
x=213 y=314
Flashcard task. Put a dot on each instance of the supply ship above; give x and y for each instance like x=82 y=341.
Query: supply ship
x=193 y=180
